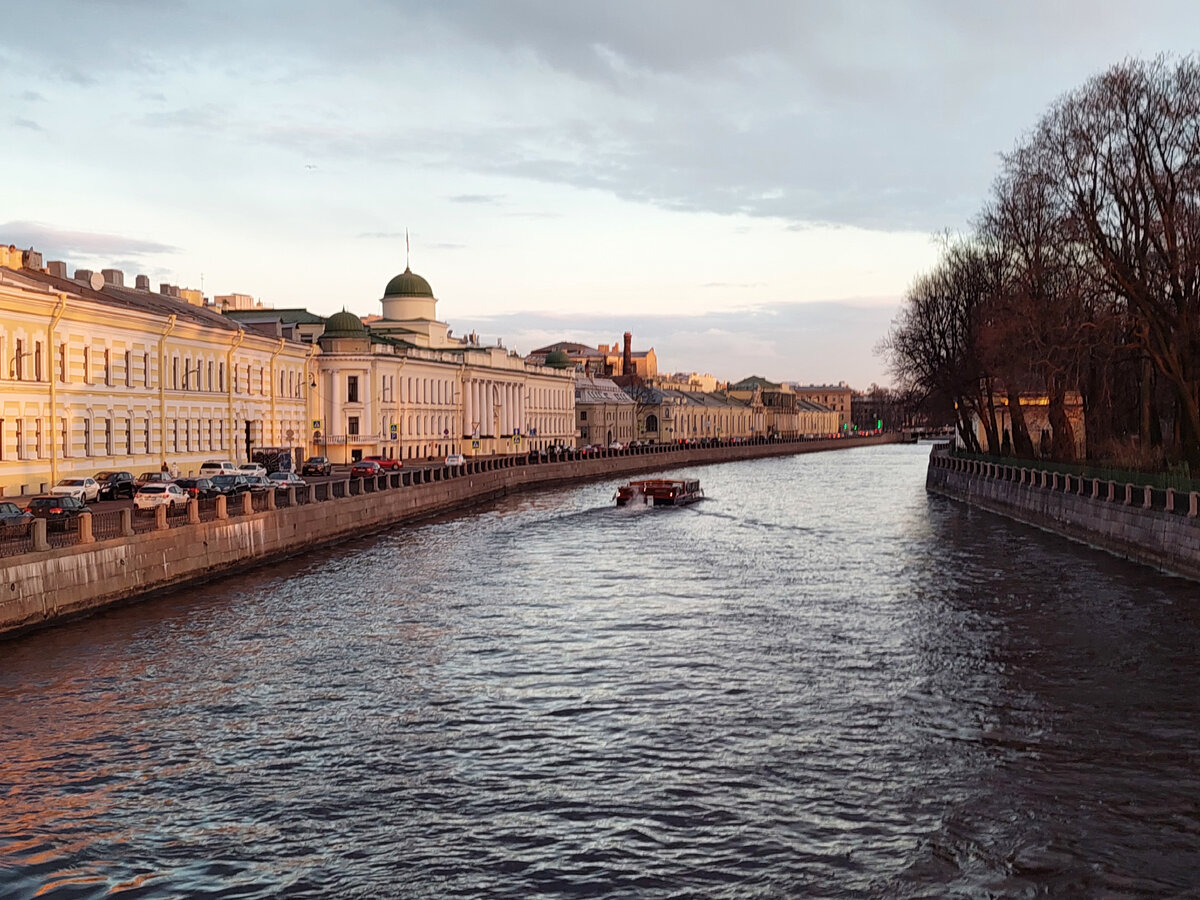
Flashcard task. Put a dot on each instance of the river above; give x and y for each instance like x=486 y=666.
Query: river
x=820 y=681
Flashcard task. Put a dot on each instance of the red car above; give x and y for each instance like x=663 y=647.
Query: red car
x=365 y=468
x=384 y=462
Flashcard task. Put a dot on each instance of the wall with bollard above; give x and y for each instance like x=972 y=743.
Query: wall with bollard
x=50 y=583
x=1155 y=526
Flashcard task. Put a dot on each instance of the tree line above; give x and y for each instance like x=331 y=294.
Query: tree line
x=1080 y=278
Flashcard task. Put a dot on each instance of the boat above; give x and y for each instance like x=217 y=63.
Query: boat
x=660 y=492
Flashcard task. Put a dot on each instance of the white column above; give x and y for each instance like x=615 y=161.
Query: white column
x=466 y=407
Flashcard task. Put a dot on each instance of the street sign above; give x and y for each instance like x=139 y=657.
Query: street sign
x=516 y=439
x=316 y=435
x=474 y=445
x=393 y=431
x=316 y=424
x=446 y=433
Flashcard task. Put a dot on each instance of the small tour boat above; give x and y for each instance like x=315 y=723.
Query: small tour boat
x=660 y=492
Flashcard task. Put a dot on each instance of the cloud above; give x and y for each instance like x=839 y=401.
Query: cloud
x=823 y=342
x=476 y=198
x=31 y=96
x=54 y=242
x=27 y=123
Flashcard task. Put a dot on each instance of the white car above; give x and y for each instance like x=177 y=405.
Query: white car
x=455 y=459
x=169 y=495
x=252 y=469
x=85 y=489
x=211 y=467
x=285 y=480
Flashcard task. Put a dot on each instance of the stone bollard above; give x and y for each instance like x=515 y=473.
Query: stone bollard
x=1148 y=497
x=160 y=518
x=1112 y=492
x=126 y=522
x=271 y=499
x=38 y=533
x=1095 y=488
x=221 y=508
x=1170 y=499
x=291 y=495
x=1193 y=503
x=247 y=503
x=1128 y=494
x=85 y=529
x=193 y=511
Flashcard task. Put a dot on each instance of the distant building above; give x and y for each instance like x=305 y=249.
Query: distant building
x=608 y=360
x=603 y=412
x=837 y=397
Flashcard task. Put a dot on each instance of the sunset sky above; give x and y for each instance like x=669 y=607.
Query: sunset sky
x=748 y=187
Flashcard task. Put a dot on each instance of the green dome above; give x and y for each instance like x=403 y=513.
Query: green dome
x=558 y=359
x=344 y=324
x=408 y=284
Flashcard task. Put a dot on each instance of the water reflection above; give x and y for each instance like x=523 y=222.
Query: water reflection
x=819 y=681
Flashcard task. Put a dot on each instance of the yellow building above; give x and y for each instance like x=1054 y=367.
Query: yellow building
x=400 y=385
x=99 y=376
x=836 y=397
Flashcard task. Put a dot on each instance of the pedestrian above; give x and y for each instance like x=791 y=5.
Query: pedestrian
x=165 y=468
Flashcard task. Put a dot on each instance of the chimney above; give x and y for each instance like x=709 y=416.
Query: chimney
x=142 y=282
x=114 y=277
x=82 y=274
x=33 y=259
x=57 y=268
x=627 y=360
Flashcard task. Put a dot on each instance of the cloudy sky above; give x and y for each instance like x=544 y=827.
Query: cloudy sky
x=748 y=186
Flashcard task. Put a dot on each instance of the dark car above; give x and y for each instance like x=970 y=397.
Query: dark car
x=365 y=468
x=57 y=511
x=231 y=485
x=116 y=484
x=159 y=477
x=11 y=514
x=384 y=462
x=200 y=488
x=317 y=465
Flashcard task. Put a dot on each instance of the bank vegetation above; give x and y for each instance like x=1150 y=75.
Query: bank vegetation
x=1079 y=281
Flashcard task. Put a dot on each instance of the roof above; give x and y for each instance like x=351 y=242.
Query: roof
x=344 y=324
x=408 y=284
x=287 y=316
x=132 y=299
x=591 y=389
x=749 y=384
x=570 y=348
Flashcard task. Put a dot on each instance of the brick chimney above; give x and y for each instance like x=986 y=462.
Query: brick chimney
x=114 y=277
x=57 y=268
x=627 y=359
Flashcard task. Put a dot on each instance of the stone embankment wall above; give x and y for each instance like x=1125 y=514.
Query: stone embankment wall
x=47 y=585
x=1149 y=525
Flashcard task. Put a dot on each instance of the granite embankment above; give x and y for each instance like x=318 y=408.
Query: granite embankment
x=1158 y=527
x=47 y=585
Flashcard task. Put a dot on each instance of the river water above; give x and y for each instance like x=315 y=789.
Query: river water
x=818 y=682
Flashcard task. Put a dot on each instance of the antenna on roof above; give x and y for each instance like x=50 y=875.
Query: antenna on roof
x=406 y=249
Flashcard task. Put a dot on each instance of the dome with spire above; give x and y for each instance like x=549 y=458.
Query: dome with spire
x=344 y=325
x=408 y=284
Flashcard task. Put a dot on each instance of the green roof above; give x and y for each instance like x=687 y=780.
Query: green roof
x=408 y=284
x=344 y=324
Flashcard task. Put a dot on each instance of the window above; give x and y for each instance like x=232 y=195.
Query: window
x=148 y=436
x=128 y=368
x=175 y=373
x=129 y=437
x=37 y=369
x=583 y=415
x=175 y=435
x=352 y=425
x=18 y=372
x=37 y=438
x=210 y=371
x=66 y=438
x=108 y=435
x=63 y=375
x=352 y=389
x=107 y=366
x=262 y=380
x=87 y=437
x=221 y=376
x=87 y=364
x=146 y=375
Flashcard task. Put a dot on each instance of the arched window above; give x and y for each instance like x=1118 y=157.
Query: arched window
x=652 y=422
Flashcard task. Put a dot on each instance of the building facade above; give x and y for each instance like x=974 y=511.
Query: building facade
x=603 y=412
x=837 y=397
x=99 y=376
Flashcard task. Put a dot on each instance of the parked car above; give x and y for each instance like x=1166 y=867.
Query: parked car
x=231 y=485
x=317 y=465
x=152 y=478
x=252 y=468
x=58 y=511
x=116 y=484
x=200 y=488
x=169 y=495
x=384 y=462
x=455 y=459
x=285 y=480
x=259 y=483
x=616 y=445
x=86 y=489
x=11 y=514
x=212 y=467
x=364 y=468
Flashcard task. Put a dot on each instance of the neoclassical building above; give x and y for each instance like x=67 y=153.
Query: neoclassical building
x=400 y=385
x=95 y=375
